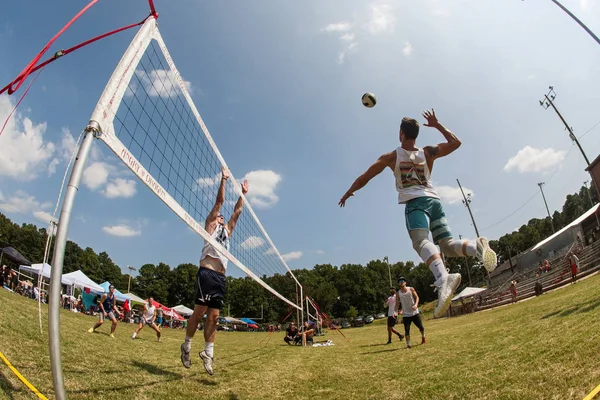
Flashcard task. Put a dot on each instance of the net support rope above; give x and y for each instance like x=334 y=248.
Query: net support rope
x=105 y=115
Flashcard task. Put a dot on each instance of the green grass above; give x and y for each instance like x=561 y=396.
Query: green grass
x=544 y=348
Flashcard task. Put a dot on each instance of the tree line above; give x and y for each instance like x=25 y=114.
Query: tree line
x=344 y=291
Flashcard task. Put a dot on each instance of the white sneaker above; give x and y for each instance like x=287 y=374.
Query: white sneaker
x=208 y=362
x=486 y=254
x=445 y=293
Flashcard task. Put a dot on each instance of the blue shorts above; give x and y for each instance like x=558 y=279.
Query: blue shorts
x=427 y=213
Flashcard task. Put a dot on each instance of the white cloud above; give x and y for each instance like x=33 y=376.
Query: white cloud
x=64 y=150
x=96 y=174
x=530 y=159
x=120 y=187
x=158 y=82
x=252 y=242
x=452 y=194
x=320 y=251
x=44 y=216
x=209 y=181
x=347 y=37
x=382 y=19
x=121 y=230
x=408 y=49
x=263 y=183
x=271 y=251
x=338 y=27
x=294 y=255
x=24 y=152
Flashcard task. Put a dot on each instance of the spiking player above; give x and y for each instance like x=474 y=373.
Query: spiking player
x=210 y=281
x=412 y=168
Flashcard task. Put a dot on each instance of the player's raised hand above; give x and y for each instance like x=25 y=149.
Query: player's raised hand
x=345 y=197
x=225 y=172
x=432 y=120
x=245 y=187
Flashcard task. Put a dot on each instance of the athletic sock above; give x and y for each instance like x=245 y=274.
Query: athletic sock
x=134 y=335
x=438 y=269
x=188 y=343
x=471 y=249
x=209 y=349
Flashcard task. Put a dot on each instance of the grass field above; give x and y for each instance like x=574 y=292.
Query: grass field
x=544 y=348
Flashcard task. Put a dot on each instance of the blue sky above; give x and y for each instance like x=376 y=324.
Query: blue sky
x=278 y=85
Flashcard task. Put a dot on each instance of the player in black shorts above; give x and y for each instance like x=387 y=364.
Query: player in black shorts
x=210 y=280
x=408 y=299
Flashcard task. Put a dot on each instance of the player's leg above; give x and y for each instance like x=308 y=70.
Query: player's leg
x=390 y=327
x=419 y=324
x=406 y=322
x=97 y=325
x=192 y=327
x=113 y=327
x=210 y=333
x=138 y=329
x=155 y=327
x=451 y=247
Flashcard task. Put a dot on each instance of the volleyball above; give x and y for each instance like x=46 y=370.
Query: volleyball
x=369 y=100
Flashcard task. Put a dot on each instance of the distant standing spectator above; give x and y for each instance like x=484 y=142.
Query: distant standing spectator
x=574 y=267
x=513 y=291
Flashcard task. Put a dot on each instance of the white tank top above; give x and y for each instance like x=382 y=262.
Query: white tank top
x=407 y=301
x=391 y=305
x=149 y=312
x=221 y=236
x=412 y=176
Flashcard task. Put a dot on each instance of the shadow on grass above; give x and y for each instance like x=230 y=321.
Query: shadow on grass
x=255 y=357
x=153 y=369
x=207 y=382
x=374 y=345
x=233 y=396
x=575 y=309
x=104 y=387
x=380 y=351
x=7 y=387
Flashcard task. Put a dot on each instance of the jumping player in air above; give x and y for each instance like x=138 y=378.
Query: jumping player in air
x=409 y=300
x=424 y=213
x=210 y=281
x=108 y=309
x=148 y=318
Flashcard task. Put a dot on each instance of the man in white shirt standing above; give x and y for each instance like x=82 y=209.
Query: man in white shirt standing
x=392 y=314
x=148 y=317
x=408 y=298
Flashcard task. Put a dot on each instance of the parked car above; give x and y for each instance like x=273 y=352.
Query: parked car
x=369 y=319
x=380 y=316
x=358 y=321
x=345 y=324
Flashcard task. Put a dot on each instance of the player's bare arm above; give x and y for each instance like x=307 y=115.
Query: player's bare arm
x=237 y=210
x=442 y=149
x=211 y=220
x=102 y=300
x=386 y=160
x=415 y=297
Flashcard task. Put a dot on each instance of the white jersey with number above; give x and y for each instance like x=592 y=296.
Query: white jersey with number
x=391 y=301
x=407 y=301
x=149 y=314
x=221 y=236
x=412 y=175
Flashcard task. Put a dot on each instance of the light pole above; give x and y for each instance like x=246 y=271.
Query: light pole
x=467 y=202
x=547 y=210
x=385 y=260
x=129 y=283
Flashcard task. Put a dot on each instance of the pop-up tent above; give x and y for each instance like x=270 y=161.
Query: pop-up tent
x=81 y=281
x=10 y=253
x=183 y=310
x=46 y=270
x=468 y=292
x=135 y=299
x=120 y=296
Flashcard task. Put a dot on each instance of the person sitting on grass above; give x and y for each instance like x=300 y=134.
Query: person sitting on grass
x=290 y=333
x=306 y=333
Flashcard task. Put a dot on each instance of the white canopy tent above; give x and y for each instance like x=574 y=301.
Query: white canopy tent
x=135 y=298
x=81 y=281
x=46 y=269
x=468 y=292
x=183 y=310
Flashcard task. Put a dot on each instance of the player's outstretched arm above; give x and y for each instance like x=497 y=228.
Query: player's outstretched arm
x=212 y=216
x=386 y=160
x=441 y=149
x=415 y=297
x=237 y=210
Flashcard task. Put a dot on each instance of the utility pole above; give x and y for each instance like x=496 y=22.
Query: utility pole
x=467 y=202
x=385 y=260
x=544 y=197
x=467 y=262
x=129 y=283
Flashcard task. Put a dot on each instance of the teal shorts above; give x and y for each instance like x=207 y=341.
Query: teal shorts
x=427 y=213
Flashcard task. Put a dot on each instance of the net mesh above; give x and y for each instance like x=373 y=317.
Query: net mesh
x=157 y=125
